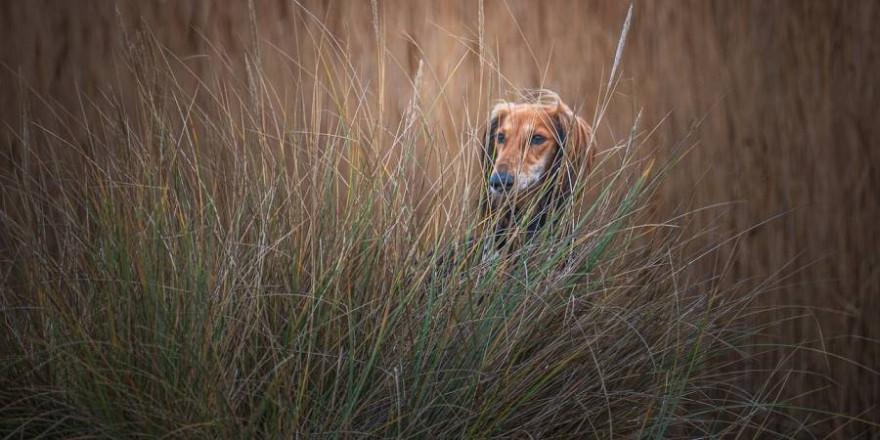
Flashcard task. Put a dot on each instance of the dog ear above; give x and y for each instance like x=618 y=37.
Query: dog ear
x=584 y=152
x=487 y=137
x=577 y=152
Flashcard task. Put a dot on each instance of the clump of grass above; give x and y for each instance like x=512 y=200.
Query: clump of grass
x=212 y=260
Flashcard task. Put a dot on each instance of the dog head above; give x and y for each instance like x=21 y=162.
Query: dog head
x=528 y=146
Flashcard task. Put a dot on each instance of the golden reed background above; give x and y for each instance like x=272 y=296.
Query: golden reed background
x=787 y=92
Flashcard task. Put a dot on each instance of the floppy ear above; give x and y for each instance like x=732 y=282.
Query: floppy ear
x=584 y=153
x=487 y=137
x=577 y=152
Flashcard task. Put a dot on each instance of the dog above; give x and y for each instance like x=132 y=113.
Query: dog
x=531 y=155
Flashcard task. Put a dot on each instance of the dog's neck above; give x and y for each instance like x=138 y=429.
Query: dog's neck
x=509 y=216
x=517 y=222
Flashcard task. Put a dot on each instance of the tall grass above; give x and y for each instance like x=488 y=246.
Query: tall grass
x=784 y=94
x=220 y=259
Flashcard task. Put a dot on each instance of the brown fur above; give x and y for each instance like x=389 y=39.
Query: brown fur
x=543 y=168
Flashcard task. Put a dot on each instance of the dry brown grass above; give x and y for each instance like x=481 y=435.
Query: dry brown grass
x=784 y=96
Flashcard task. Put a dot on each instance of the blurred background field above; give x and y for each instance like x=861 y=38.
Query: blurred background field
x=783 y=99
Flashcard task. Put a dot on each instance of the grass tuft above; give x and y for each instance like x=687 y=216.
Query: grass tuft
x=218 y=258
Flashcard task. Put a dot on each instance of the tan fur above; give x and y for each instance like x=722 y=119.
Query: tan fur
x=531 y=164
x=543 y=145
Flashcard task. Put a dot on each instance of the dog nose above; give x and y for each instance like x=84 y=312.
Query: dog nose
x=501 y=181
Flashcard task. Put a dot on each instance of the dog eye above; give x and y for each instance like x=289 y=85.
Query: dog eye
x=500 y=138
x=538 y=139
